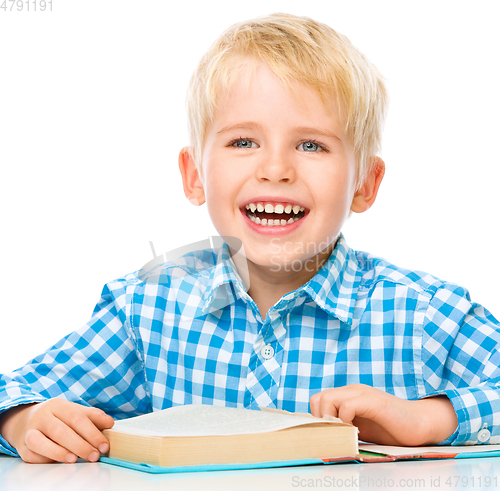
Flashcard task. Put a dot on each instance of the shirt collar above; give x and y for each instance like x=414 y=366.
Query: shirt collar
x=219 y=292
x=203 y=272
x=334 y=287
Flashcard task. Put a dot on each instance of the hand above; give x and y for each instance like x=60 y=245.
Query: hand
x=386 y=419
x=56 y=430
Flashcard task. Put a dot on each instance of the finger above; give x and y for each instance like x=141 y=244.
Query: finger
x=65 y=436
x=328 y=406
x=40 y=449
x=323 y=403
x=100 y=419
x=314 y=404
x=83 y=421
x=347 y=411
x=354 y=407
x=32 y=457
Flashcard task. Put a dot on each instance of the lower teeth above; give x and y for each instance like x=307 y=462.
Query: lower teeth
x=271 y=223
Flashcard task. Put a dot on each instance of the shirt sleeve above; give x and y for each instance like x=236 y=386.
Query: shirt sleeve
x=98 y=365
x=461 y=355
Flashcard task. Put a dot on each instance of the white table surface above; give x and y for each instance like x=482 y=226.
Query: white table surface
x=473 y=474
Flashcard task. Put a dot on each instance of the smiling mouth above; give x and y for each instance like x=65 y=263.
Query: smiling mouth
x=270 y=215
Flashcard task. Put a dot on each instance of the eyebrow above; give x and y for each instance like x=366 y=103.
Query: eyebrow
x=250 y=125
x=317 y=131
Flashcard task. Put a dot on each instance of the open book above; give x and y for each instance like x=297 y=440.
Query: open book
x=202 y=437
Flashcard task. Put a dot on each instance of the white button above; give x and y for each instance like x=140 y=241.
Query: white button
x=484 y=435
x=267 y=351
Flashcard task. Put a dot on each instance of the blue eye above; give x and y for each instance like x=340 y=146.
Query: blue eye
x=243 y=143
x=309 y=147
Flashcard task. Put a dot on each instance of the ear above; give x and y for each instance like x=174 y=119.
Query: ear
x=365 y=196
x=193 y=187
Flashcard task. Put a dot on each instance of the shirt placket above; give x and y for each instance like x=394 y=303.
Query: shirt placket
x=263 y=377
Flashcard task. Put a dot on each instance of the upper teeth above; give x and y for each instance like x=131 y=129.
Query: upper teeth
x=269 y=208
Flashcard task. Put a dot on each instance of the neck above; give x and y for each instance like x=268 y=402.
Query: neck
x=267 y=286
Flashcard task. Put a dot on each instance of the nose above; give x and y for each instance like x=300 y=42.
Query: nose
x=276 y=167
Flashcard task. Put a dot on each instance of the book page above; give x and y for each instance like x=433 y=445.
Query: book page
x=206 y=420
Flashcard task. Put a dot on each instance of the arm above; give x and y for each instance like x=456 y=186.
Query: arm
x=461 y=355
x=97 y=366
x=460 y=360
x=386 y=419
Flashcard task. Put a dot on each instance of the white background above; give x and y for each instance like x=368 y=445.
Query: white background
x=92 y=118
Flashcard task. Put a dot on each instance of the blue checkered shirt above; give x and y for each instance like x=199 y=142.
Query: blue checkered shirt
x=198 y=337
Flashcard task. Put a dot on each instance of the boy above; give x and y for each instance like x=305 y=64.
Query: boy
x=285 y=124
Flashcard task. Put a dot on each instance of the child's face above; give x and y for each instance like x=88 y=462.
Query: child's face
x=267 y=148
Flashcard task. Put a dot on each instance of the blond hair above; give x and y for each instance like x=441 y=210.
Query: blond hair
x=295 y=49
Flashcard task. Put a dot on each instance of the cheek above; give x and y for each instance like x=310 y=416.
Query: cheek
x=333 y=195
x=219 y=195
x=223 y=182
x=334 y=186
